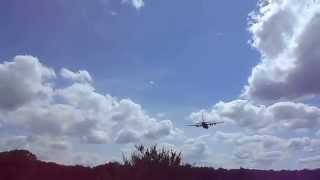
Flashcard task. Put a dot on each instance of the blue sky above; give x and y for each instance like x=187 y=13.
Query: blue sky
x=183 y=47
x=88 y=79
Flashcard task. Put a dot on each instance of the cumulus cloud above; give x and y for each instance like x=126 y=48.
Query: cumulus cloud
x=267 y=151
x=295 y=115
x=257 y=151
x=271 y=121
x=277 y=116
x=235 y=150
x=163 y=128
x=196 y=150
x=126 y=136
x=267 y=141
x=23 y=80
x=74 y=113
x=80 y=76
x=285 y=33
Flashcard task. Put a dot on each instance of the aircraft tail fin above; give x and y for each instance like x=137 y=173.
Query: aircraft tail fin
x=202 y=117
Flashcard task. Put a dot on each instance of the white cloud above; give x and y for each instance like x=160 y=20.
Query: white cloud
x=152 y=83
x=278 y=116
x=310 y=162
x=266 y=141
x=196 y=150
x=113 y=13
x=138 y=4
x=46 y=148
x=271 y=127
x=234 y=150
x=80 y=76
x=75 y=113
x=267 y=151
x=96 y=136
x=301 y=143
x=163 y=128
x=285 y=33
x=49 y=120
x=23 y=80
x=260 y=151
x=295 y=115
x=127 y=136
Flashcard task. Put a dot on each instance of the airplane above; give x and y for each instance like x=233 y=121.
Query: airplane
x=205 y=124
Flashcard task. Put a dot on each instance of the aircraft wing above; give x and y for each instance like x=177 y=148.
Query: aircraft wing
x=214 y=123
x=196 y=125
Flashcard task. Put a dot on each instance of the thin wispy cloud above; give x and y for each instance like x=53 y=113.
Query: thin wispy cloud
x=138 y=4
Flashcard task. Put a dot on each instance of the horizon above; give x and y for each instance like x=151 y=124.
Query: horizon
x=81 y=83
x=121 y=163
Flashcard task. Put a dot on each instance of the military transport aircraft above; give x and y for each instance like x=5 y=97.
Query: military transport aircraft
x=205 y=124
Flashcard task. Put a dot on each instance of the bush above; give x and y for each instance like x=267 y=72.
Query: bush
x=153 y=156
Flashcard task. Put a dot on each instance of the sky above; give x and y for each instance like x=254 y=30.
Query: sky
x=82 y=82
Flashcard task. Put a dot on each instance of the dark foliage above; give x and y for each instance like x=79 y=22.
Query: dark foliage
x=143 y=164
x=153 y=157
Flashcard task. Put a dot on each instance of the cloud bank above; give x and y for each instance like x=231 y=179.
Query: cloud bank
x=34 y=108
x=271 y=123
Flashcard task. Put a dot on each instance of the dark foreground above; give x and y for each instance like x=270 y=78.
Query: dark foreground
x=22 y=165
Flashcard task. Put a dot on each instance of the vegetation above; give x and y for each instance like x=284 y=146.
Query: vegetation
x=143 y=164
x=153 y=156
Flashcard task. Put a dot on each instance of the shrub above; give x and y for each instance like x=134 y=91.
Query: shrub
x=153 y=156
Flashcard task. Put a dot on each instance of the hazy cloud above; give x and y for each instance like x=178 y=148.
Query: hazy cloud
x=45 y=147
x=310 y=162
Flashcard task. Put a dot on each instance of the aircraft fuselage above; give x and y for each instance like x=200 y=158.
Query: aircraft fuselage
x=204 y=125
